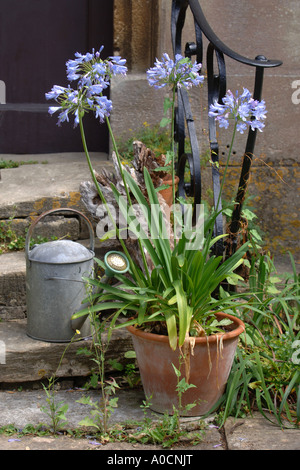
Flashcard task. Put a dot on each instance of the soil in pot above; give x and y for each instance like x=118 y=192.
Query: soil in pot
x=210 y=365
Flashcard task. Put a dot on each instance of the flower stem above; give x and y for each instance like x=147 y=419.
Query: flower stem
x=118 y=158
x=126 y=190
x=173 y=157
x=217 y=209
x=132 y=265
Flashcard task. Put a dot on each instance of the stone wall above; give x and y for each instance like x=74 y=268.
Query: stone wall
x=249 y=28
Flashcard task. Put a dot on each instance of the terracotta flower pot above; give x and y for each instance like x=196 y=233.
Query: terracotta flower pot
x=167 y=193
x=210 y=366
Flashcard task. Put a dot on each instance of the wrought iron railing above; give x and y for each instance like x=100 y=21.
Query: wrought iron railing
x=216 y=84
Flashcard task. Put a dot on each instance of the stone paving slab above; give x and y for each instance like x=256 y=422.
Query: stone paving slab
x=258 y=433
x=23 y=407
x=63 y=443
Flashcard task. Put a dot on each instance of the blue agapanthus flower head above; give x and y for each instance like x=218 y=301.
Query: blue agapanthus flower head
x=55 y=92
x=180 y=72
x=92 y=75
x=242 y=108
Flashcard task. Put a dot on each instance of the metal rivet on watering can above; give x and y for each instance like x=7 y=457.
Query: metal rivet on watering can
x=116 y=263
x=55 y=289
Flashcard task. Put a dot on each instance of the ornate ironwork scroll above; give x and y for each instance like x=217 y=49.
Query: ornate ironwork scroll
x=216 y=53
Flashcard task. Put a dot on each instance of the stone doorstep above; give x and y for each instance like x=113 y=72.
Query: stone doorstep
x=23 y=359
x=31 y=190
x=34 y=189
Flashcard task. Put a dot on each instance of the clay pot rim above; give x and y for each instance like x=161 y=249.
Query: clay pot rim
x=240 y=328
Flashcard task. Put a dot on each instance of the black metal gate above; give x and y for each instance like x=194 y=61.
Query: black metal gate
x=216 y=54
x=37 y=37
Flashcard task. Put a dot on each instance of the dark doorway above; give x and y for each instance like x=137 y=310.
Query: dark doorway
x=37 y=37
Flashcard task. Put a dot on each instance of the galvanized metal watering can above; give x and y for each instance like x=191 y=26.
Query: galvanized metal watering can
x=55 y=288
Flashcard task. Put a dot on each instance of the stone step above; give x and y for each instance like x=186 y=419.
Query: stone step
x=26 y=192
x=54 y=177
x=23 y=359
x=51 y=183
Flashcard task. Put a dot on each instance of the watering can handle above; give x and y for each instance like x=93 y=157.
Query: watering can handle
x=62 y=209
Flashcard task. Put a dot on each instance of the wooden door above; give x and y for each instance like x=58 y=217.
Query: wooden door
x=37 y=37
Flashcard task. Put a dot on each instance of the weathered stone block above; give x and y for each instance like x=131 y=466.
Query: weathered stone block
x=12 y=286
x=30 y=360
x=49 y=227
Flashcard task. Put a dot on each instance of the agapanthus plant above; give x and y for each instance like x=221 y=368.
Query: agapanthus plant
x=177 y=284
